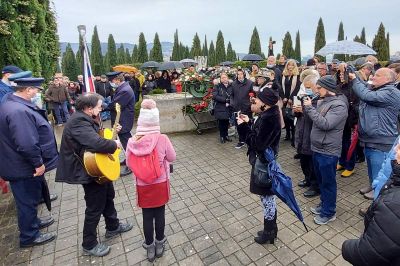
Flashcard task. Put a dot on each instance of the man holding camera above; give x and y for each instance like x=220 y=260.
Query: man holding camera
x=328 y=119
x=379 y=109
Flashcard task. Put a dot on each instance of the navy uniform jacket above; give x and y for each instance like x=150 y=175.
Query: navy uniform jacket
x=4 y=89
x=26 y=139
x=125 y=96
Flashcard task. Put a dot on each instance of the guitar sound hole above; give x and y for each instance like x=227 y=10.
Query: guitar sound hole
x=111 y=157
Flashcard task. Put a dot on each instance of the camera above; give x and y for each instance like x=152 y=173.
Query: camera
x=349 y=69
x=304 y=96
x=273 y=42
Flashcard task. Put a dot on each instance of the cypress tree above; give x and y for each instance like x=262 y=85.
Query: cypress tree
x=255 y=44
x=69 y=66
x=121 y=55
x=181 y=51
x=211 y=61
x=142 y=49
x=362 y=37
x=297 y=49
x=106 y=63
x=320 y=38
x=230 y=54
x=135 y=54
x=96 y=57
x=205 y=47
x=380 y=45
x=156 y=52
x=196 y=46
x=111 y=52
x=220 y=54
x=340 y=37
x=176 y=54
x=287 y=46
x=127 y=56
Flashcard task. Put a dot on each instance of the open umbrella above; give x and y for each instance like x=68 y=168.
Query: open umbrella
x=150 y=64
x=346 y=47
x=226 y=63
x=252 y=58
x=171 y=65
x=188 y=62
x=282 y=185
x=125 y=68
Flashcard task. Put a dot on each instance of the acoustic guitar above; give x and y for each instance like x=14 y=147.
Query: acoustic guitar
x=105 y=167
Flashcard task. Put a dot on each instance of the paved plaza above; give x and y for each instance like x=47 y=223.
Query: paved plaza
x=210 y=220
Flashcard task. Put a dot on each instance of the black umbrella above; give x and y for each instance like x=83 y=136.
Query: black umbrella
x=252 y=57
x=226 y=63
x=150 y=64
x=171 y=65
x=45 y=193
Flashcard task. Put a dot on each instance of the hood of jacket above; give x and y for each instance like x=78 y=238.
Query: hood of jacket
x=145 y=145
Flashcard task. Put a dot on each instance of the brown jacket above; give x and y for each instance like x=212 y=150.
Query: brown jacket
x=57 y=94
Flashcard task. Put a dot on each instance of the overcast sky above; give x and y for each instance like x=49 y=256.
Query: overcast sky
x=125 y=19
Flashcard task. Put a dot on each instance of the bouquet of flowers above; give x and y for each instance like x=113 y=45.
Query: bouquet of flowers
x=199 y=106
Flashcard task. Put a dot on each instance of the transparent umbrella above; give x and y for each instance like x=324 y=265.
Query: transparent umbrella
x=347 y=48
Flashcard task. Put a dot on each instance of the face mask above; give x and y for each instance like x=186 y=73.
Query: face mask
x=113 y=85
x=309 y=92
x=270 y=66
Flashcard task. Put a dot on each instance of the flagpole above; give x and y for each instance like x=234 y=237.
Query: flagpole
x=87 y=69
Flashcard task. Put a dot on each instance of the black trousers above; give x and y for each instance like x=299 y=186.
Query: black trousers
x=307 y=167
x=223 y=125
x=124 y=137
x=289 y=126
x=151 y=217
x=99 y=201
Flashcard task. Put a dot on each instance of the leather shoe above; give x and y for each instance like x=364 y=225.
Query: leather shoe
x=125 y=171
x=369 y=195
x=46 y=222
x=122 y=228
x=362 y=212
x=40 y=240
x=365 y=190
x=311 y=193
x=228 y=139
x=297 y=156
x=53 y=197
x=304 y=183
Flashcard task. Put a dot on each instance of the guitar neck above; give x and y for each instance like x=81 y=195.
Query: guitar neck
x=114 y=130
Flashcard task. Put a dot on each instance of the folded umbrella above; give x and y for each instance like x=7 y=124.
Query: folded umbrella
x=45 y=193
x=354 y=140
x=282 y=185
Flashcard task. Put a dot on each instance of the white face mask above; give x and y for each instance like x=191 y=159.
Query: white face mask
x=113 y=85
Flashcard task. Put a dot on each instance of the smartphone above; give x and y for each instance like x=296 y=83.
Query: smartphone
x=296 y=102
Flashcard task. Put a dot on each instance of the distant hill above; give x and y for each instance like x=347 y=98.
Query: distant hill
x=166 y=47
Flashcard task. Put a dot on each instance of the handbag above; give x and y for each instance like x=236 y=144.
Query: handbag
x=261 y=174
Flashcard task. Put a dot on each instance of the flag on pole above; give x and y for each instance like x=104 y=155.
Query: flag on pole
x=87 y=71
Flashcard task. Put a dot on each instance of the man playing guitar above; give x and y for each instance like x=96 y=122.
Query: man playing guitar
x=81 y=133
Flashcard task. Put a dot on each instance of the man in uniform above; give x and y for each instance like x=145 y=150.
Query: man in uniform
x=28 y=150
x=125 y=97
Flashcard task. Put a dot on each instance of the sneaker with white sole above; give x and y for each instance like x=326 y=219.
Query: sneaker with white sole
x=239 y=145
x=321 y=220
x=316 y=210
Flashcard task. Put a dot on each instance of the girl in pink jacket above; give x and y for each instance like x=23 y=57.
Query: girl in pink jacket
x=152 y=195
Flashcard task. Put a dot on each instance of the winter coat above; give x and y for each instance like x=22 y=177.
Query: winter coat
x=328 y=119
x=126 y=98
x=81 y=133
x=263 y=133
x=379 y=109
x=4 y=89
x=26 y=139
x=286 y=90
x=135 y=84
x=303 y=131
x=352 y=99
x=164 y=84
x=380 y=242
x=221 y=96
x=157 y=193
x=104 y=89
x=148 y=86
x=240 y=99
x=57 y=94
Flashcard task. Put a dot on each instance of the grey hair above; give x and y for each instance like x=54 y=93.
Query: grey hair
x=391 y=75
x=311 y=79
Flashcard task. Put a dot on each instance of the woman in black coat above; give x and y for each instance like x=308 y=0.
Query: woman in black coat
x=164 y=82
x=264 y=133
x=290 y=88
x=222 y=111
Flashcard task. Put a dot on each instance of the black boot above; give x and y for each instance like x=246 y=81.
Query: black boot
x=269 y=233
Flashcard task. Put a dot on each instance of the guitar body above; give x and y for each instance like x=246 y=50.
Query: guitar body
x=105 y=167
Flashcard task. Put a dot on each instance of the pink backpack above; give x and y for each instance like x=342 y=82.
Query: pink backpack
x=147 y=168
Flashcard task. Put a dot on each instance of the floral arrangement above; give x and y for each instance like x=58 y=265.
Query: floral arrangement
x=199 y=106
x=193 y=77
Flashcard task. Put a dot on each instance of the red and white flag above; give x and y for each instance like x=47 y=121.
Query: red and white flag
x=87 y=71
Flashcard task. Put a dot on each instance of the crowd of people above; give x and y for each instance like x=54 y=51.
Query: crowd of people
x=334 y=115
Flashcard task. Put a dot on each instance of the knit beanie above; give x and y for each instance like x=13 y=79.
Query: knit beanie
x=149 y=118
x=328 y=82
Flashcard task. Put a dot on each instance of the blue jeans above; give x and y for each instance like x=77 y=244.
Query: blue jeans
x=348 y=165
x=325 y=170
x=27 y=194
x=375 y=159
x=58 y=108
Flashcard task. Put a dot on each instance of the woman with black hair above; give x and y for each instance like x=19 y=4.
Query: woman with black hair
x=149 y=84
x=164 y=82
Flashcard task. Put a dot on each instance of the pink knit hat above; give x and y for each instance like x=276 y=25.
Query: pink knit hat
x=149 y=118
